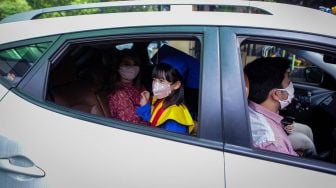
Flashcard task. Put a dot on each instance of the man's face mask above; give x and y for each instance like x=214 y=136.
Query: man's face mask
x=290 y=91
x=161 y=90
x=129 y=72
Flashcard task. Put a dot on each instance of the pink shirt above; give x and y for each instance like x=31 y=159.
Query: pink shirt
x=267 y=130
x=123 y=103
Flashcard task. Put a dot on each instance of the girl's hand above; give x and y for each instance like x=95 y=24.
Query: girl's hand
x=144 y=98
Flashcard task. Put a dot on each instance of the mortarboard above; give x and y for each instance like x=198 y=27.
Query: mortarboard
x=186 y=65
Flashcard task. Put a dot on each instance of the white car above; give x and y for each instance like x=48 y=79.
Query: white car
x=55 y=126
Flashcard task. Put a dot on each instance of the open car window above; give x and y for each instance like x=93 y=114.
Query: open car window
x=314 y=89
x=305 y=63
x=85 y=77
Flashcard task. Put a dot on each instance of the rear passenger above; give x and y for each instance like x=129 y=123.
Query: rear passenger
x=126 y=86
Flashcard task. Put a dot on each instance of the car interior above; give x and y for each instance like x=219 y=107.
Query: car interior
x=315 y=90
x=80 y=78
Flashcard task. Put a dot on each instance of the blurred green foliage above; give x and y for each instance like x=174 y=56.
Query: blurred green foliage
x=37 y=4
x=8 y=7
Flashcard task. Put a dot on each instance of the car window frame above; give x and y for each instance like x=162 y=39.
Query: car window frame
x=16 y=44
x=234 y=36
x=209 y=137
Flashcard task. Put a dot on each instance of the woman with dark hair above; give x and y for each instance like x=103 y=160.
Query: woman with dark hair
x=126 y=89
x=166 y=109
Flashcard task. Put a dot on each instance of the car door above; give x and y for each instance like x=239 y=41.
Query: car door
x=3 y=90
x=243 y=162
x=16 y=168
x=77 y=149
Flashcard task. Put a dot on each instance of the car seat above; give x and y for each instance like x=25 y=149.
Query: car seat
x=69 y=90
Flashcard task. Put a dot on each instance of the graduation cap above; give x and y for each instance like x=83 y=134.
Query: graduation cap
x=186 y=65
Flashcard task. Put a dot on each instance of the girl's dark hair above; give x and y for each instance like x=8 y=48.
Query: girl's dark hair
x=169 y=73
x=115 y=78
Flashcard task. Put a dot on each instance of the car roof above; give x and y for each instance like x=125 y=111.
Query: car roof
x=276 y=16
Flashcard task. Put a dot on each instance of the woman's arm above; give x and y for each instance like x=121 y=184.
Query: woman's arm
x=122 y=108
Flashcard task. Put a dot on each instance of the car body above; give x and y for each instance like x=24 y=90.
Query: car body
x=46 y=142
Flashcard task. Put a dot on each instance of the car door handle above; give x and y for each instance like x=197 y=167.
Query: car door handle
x=32 y=170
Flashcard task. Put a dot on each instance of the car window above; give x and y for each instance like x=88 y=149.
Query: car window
x=15 y=62
x=186 y=46
x=303 y=61
x=313 y=89
x=89 y=78
x=124 y=46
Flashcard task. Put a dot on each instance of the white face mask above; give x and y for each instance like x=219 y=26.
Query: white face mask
x=161 y=90
x=129 y=72
x=290 y=90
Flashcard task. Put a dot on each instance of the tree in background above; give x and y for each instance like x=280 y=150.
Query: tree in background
x=37 y=4
x=9 y=7
x=308 y=3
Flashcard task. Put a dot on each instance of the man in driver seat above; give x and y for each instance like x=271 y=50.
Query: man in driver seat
x=270 y=90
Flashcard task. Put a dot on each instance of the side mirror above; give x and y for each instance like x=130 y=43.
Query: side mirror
x=329 y=59
x=313 y=75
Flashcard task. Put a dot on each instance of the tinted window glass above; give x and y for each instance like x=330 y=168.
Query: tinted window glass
x=15 y=62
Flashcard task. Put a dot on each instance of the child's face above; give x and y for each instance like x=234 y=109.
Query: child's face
x=161 y=81
x=163 y=88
